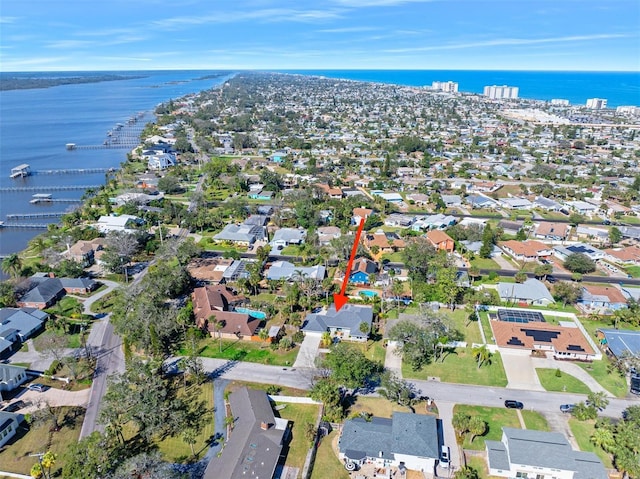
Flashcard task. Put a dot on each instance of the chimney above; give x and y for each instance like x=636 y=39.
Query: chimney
x=264 y=425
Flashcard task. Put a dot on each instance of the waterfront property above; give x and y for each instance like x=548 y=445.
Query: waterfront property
x=527 y=453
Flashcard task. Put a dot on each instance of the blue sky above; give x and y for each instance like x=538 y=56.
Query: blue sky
x=40 y=35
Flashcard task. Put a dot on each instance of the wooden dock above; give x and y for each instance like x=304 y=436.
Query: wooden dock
x=74 y=171
x=33 y=216
x=21 y=189
x=41 y=226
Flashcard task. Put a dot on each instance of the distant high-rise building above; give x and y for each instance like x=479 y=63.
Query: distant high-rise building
x=597 y=103
x=504 y=91
x=560 y=102
x=448 y=86
x=632 y=110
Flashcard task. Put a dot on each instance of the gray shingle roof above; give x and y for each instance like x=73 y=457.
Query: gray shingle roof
x=349 y=317
x=241 y=233
x=405 y=433
x=498 y=457
x=621 y=340
x=531 y=290
x=286 y=270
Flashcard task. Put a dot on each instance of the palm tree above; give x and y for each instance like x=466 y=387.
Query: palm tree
x=482 y=355
x=603 y=437
x=190 y=437
x=12 y=265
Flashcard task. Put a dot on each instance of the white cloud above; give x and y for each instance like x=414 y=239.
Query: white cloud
x=9 y=19
x=347 y=30
x=377 y=3
x=510 y=42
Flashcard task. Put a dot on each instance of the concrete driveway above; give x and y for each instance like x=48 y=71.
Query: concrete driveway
x=445 y=414
x=393 y=361
x=520 y=370
x=53 y=396
x=308 y=351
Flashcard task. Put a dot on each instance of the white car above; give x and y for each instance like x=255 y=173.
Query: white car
x=445 y=457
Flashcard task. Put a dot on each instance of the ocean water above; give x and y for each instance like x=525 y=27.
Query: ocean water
x=619 y=88
x=35 y=125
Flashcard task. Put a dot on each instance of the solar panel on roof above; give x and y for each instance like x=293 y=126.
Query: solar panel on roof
x=541 y=335
x=575 y=347
x=515 y=342
x=519 y=316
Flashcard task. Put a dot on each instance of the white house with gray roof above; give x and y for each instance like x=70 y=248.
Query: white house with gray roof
x=343 y=324
x=543 y=455
x=291 y=272
x=11 y=377
x=286 y=236
x=9 y=423
x=409 y=440
x=532 y=291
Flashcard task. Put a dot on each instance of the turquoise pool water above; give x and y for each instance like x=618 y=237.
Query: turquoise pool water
x=252 y=313
x=368 y=293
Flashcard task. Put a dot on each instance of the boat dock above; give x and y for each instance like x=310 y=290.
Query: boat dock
x=20 y=189
x=33 y=216
x=75 y=171
x=40 y=226
x=48 y=198
x=20 y=171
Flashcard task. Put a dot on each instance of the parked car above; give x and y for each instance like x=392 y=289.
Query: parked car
x=445 y=457
x=551 y=279
x=567 y=407
x=511 y=404
x=37 y=387
x=16 y=406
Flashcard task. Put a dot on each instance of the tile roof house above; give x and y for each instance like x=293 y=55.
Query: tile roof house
x=628 y=256
x=406 y=440
x=359 y=214
x=215 y=304
x=528 y=453
x=602 y=298
x=552 y=231
x=83 y=251
x=361 y=269
x=344 y=324
x=441 y=240
x=254 y=448
x=532 y=291
x=327 y=233
x=563 y=341
x=526 y=250
x=387 y=242
x=17 y=325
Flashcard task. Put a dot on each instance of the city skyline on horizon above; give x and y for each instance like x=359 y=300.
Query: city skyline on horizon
x=529 y=35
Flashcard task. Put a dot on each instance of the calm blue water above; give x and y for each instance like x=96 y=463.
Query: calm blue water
x=252 y=313
x=619 y=88
x=36 y=124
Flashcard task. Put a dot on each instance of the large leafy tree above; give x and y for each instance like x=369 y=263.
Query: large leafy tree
x=398 y=390
x=579 y=263
x=350 y=367
x=566 y=292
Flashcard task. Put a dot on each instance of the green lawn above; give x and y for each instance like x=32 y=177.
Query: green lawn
x=480 y=465
x=484 y=263
x=459 y=320
x=633 y=271
x=612 y=382
x=327 y=464
x=300 y=415
x=15 y=455
x=564 y=383
x=582 y=431
x=250 y=351
x=486 y=327
x=377 y=406
x=104 y=304
x=460 y=367
x=534 y=420
x=495 y=417
x=372 y=349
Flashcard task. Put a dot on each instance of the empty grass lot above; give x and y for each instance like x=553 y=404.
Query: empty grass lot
x=460 y=367
x=250 y=351
x=300 y=415
x=377 y=406
x=15 y=455
x=534 y=420
x=582 y=431
x=495 y=417
x=327 y=464
x=564 y=383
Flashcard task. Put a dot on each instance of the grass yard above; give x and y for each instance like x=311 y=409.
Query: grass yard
x=250 y=351
x=371 y=349
x=486 y=327
x=327 y=464
x=534 y=420
x=582 y=431
x=460 y=367
x=480 y=465
x=378 y=406
x=300 y=415
x=484 y=263
x=495 y=418
x=104 y=304
x=268 y=388
x=40 y=343
x=15 y=456
x=633 y=271
x=564 y=383
x=459 y=319
x=612 y=382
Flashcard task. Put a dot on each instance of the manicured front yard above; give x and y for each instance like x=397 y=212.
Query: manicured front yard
x=460 y=321
x=495 y=417
x=327 y=464
x=582 y=431
x=564 y=383
x=15 y=455
x=300 y=415
x=484 y=263
x=534 y=420
x=250 y=351
x=611 y=381
x=461 y=367
x=633 y=271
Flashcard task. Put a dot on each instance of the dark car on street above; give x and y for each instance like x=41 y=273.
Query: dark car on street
x=511 y=404
x=567 y=407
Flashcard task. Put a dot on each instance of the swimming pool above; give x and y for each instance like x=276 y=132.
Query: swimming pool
x=252 y=313
x=368 y=293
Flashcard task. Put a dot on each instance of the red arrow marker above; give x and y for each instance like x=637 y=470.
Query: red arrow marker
x=339 y=298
